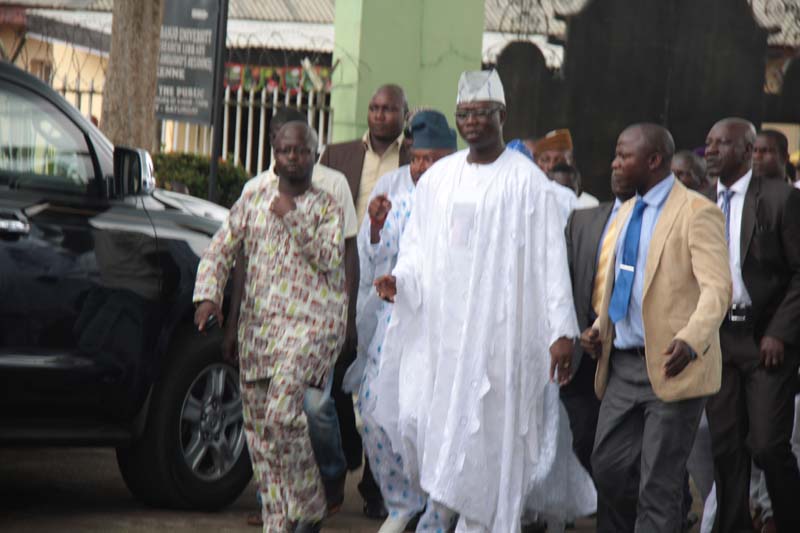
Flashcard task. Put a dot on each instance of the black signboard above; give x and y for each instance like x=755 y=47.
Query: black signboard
x=186 y=61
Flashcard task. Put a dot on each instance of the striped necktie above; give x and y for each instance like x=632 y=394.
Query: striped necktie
x=726 y=210
x=603 y=260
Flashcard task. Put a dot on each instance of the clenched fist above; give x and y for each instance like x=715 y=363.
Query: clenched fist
x=386 y=287
x=282 y=204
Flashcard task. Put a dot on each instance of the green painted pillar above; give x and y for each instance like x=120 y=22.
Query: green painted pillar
x=422 y=45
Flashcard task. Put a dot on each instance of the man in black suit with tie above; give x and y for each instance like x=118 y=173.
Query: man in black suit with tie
x=589 y=233
x=753 y=414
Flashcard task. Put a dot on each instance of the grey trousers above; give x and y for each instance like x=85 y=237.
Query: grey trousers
x=640 y=451
x=701 y=460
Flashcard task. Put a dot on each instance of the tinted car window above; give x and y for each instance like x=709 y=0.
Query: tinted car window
x=40 y=148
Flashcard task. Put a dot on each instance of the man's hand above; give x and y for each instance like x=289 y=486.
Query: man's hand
x=282 y=204
x=591 y=343
x=679 y=355
x=230 y=345
x=386 y=287
x=771 y=352
x=561 y=358
x=378 y=210
x=206 y=309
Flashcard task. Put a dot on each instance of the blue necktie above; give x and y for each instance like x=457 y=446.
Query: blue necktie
x=726 y=210
x=618 y=308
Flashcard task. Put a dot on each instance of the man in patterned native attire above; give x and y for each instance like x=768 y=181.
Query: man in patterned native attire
x=291 y=324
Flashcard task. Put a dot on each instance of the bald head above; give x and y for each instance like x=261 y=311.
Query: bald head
x=643 y=156
x=729 y=149
x=387 y=112
x=742 y=128
x=283 y=116
x=394 y=92
x=656 y=139
x=297 y=128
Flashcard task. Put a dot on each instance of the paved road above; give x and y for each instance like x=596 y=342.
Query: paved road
x=71 y=489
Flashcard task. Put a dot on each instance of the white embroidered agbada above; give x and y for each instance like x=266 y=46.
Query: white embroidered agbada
x=376 y=260
x=483 y=290
x=401 y=496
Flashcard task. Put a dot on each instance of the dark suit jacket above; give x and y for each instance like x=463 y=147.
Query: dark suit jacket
x=348 y=158
x=583 y=233
x=770 y=251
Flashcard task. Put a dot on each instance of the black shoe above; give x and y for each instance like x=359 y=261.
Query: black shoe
x=334 y=493
x=375 y=510
x=308 y=527
x=536 y=527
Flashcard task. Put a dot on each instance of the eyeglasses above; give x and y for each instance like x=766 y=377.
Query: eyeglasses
x=464 y=114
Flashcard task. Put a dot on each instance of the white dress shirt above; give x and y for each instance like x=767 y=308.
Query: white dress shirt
x=739 y=188
x=586 y=200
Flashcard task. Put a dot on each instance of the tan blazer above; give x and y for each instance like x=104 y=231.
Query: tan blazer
x=687 y=291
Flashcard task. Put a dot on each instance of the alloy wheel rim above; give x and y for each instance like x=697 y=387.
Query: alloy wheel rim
x=211 y=428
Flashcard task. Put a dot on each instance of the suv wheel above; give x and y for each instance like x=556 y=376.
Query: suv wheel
x=193 y=452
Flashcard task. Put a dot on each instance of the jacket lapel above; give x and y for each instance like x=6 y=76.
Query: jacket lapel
x=354 y=177
x=622 y=216
x=597 y=229
x=591 y=246
x=749 y=216
x=711 y=193
x=669 y=213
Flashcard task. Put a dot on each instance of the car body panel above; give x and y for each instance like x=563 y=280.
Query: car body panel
x=92 y=293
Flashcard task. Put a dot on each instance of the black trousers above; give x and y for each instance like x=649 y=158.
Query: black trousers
x=351 y=438
x=752 y=417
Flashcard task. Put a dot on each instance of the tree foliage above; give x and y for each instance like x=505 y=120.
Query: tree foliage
x=174 y=169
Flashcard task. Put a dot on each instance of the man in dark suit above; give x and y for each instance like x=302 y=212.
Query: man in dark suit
x=753 y=414
x=363 y=161
x=587 y=233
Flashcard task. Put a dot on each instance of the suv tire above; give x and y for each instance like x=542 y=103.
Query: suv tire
x=192 y=454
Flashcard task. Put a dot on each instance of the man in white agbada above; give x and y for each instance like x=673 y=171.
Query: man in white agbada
x=390 y=206
x=482 y=293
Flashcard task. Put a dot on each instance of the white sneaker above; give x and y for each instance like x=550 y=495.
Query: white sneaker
x=394 y=524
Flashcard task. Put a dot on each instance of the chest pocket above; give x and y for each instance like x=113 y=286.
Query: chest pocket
x=462 y=225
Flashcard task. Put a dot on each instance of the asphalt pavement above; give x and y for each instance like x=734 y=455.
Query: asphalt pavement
x=80 y=489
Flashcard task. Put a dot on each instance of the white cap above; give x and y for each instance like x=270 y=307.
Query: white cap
x=480 y=86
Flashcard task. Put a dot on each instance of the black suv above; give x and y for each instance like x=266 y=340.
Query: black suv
x=97 y=345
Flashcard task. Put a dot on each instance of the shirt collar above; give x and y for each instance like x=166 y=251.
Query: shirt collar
x=365 y=139
x=739 y=186
x=658 y=194
x=617 y=205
